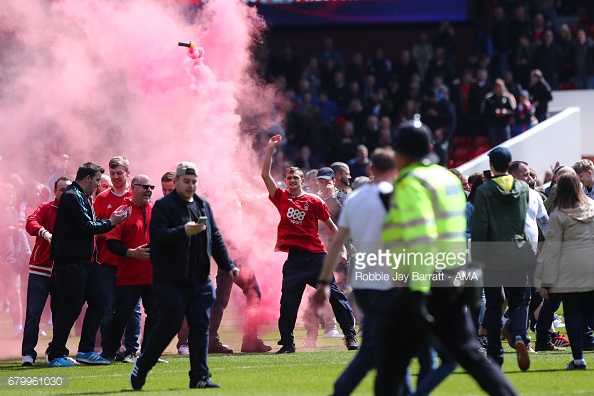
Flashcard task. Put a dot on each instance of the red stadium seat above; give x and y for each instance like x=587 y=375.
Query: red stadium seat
x=481 y=141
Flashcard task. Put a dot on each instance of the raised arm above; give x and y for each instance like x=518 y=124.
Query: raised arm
x=266 y=176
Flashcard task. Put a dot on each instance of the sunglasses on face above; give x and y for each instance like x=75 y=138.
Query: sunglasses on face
x=146 y=186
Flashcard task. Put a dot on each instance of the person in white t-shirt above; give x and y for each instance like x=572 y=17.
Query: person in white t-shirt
x=362 y=218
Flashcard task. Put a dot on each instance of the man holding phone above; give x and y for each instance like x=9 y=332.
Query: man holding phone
x=180 y=252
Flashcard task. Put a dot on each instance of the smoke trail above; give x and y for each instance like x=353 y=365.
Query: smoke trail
x=96 y=79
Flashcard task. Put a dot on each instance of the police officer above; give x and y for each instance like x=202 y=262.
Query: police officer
x=425 y=224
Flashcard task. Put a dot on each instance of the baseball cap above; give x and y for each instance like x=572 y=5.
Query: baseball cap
x=186 y=168
x=325 y=173
x=414 y=141
x=524 y=93
x=500 y=156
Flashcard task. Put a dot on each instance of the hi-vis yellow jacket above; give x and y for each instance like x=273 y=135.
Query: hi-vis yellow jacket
x=425 y=228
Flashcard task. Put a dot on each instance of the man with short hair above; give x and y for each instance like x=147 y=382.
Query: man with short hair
x=500 y=243
x=167 y=182
x=585 y=171
x=129 y=240
x=42 y=282
x=343 y=176
x=105 y=203
x=426 y=217
x=184 y=237
x=77 y=275
x=362 y=219
x=358 y=165
x=298 y=235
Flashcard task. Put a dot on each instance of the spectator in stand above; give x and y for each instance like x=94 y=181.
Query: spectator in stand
x=565 y=40
x=284 y=64
x=369 y=87
x=345 y=142
x=422 y=53
x=581 y=60
x=327 y=75
x=369 y=134
x=356 y=70
x=359 y=165
x=339 y=90
x=405 y=67
x=311 y=74
x=329 y=109
x=549 y=59
x=41 y=283
x=447 y=40
x=408 y=111
x=512 y=86
x=540 y=94
x=500 y=37
x=538 y=28
x=379 y=67
x=476 y=95
x=356 y=115
x=565 y=264
x=460 y=99
x=498 y=107
x=548 y=8
x=520 y=24
x=441 y=143
x=328 y=52
x=440 y=65
x=304 y=160
x=521 y=60
x=395 y=94
x=524 y=114
x=354 y=92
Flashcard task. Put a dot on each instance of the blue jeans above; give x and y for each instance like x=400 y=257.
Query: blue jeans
x=173 y=302
x=77 y=283
x=518 y=302
x=302 y=269
x=39 y=287
x=373 y=304
x=126 y=301
x=431 y=376
x=578 y=308
x=499 y=133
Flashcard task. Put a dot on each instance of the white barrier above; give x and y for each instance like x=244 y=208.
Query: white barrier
x=584 y=99
x=557 y=139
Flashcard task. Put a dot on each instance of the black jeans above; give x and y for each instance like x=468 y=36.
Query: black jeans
x=453 y=328
x=77 y=283
x=126 y=300
x=173 y=302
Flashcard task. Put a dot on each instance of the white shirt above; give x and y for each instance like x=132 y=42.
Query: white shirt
x=536 y=210
x=363 y=214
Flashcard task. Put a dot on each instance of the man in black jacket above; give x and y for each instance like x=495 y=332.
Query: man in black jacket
x=77 y=279
x=183 y=236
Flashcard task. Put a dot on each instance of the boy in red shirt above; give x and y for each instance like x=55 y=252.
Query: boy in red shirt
x=298 y=234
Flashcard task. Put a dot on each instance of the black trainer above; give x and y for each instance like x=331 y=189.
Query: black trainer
x=203 y=384
x=350 y=342
x=137 y=377
x=287 y=349
x=218 y=347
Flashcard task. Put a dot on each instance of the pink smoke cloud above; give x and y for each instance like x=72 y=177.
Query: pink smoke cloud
x=95 y=79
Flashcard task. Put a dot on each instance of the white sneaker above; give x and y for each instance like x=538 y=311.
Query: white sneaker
x=162 y=361
x=69 y=359
x=558 y=324
x=183 y=350
x=130 y=358
x=27 y=361
x=332 y=334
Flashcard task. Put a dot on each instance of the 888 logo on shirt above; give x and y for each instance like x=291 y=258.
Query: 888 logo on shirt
x=296 y=215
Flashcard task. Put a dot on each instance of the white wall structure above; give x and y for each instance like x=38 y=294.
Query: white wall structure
x=585 y=100
x=558 y=138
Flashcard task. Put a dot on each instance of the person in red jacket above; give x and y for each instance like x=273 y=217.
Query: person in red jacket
x=41 y=282
x=129 y=240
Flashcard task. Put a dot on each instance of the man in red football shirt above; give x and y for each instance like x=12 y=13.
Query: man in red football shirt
x=298 y=235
